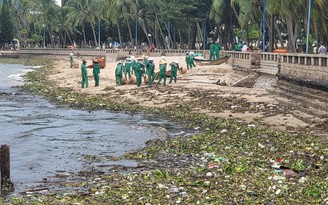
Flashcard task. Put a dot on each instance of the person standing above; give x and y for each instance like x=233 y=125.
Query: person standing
x=322 y=50
x=150 y=69
x=71 y=60
x=96 y=71
x=244 y=48
x=212 y=51
x=217 y=50
x=139 y=70
x=162 y=71
x=238 y=46
x=174 y=68
x=118 y=73
x=187 y=60
x=127 y=69
x=192 y=60
x=133 y=65
x=84 y=74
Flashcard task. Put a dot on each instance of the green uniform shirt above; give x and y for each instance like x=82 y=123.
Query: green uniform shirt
x=127 y=66
x=150 y=67
x=119 y=69
x=162 y=69
x=212 y=47
x=174 y=67
x=84 y=70
x=139 y=69
x=217 y=48
x=96 y=68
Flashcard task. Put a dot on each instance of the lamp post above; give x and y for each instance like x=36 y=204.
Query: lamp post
x=99 y=34
x=136 y=27
x=308 y=26
x=263 y=26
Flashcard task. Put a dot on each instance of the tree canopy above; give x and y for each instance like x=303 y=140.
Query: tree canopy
x=191 y=21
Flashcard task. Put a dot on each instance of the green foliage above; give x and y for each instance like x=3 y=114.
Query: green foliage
x=6 y=23
x=35 y=38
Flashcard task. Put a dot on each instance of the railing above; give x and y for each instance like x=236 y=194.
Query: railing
x=311 y=68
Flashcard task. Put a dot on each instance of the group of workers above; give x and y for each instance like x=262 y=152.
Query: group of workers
x=190 y=60
x=126 y=69
x=144 y=67
x=84 y=72
x=215 y=49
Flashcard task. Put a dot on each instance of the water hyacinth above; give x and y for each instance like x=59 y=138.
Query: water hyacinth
x=227 y=162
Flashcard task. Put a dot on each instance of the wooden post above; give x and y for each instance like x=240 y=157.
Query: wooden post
x=6 y=184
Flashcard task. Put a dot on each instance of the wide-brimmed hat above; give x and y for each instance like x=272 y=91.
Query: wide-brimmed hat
x=162 y=61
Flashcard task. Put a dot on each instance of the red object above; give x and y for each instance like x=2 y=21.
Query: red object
x=279 y=160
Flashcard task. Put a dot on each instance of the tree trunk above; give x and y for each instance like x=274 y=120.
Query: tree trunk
x=279 y=35
x=94 y=34
x=84 y=37
x=180 y=39
x=144 y=28
x=69 y=38
x=271 y=33
x=119 y=32
x=157 y=41
x=291 y=28
x=161 y=32
x=193 y=33
x=130 y=32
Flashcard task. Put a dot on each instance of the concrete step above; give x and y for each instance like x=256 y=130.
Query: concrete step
x=308 y=115
x=304 y=91
x=305 y=105
x=313 y=100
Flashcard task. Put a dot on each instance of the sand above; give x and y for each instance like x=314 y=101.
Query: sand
x=197 y=87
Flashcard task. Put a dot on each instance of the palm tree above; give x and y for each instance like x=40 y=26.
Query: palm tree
x=83 y=12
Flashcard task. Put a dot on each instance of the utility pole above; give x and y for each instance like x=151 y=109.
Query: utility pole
x=308 y=26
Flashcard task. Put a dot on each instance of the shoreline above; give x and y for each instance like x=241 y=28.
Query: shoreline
x=235 y=150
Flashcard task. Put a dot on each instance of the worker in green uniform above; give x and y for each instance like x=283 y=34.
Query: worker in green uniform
x=133 y=65
x=212 y=52
x=238 y=46
x=84 y=75
x=118 y=73
x=146 y=61
x=162 y=71
x=150 y=70
x=174 y=68
x=191 y=60
x=217 y=50
x=71 y=60
x=187 y=61
x=139 y=70
x=127 y=69
x=96 y=71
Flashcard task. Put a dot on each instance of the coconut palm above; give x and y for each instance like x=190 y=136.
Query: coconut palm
x=84 y=12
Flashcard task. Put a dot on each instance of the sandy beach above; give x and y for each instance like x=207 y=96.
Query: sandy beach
x=196 y=88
